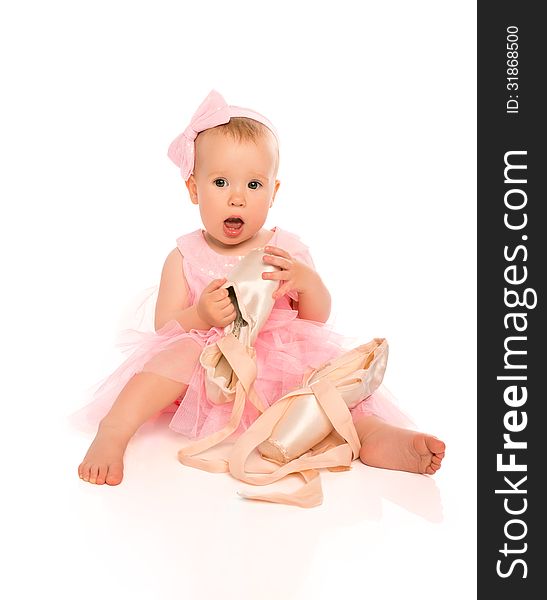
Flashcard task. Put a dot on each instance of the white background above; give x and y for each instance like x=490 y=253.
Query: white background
x=375 y=106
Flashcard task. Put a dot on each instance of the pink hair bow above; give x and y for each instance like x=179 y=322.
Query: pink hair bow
x=212 y=111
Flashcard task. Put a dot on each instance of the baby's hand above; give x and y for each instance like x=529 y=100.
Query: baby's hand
x=214 y=306
x=296 y=275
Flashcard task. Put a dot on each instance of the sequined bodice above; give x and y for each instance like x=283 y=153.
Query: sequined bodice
x=202 y=264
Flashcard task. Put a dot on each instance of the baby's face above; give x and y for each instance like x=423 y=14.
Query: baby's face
x=234 y=185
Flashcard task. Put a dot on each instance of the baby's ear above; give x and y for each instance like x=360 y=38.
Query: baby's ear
x=276 y=187
x=192 y=189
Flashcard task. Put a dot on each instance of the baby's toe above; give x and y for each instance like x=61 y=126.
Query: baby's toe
x=83 y=471
x=101 y=476
x=93 y=473
x=115 y=474
x=435 y=445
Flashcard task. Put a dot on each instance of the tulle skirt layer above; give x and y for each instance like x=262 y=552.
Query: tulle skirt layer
x=286 y=349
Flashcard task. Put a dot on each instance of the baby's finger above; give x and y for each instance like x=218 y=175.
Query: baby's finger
x=227 y=321
x=224 y=303
x=226 y=317
x=279 y=275
x=229 y=314
x=277 y=251
x=215 y=284
x=278 y=261
x=219 y=294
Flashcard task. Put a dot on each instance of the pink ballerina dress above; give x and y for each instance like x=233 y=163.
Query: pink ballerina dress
x=286 y=348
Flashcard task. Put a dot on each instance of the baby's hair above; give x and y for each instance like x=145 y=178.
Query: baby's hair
x=245 y=129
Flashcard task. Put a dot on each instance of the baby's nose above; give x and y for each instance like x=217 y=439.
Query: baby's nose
x=237 y=200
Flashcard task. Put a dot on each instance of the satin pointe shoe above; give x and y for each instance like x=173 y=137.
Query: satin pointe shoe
x=311 y=427
x=229 y=363
x=253 y=301
x=356 y=375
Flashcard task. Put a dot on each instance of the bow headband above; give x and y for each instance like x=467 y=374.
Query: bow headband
x=212 y=111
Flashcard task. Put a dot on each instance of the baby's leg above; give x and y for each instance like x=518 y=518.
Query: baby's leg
x=144 y=395
x=389 y=447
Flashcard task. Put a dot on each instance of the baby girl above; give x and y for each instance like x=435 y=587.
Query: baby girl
x=229 y=157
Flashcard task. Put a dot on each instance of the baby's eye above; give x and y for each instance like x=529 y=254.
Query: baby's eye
x=220 y=182
x=254 y=185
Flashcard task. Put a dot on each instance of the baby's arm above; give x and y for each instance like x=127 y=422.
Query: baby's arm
x=315 y=302
x=173 y=295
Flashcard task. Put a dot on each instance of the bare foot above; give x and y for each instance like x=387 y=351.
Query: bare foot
x=390 y=447
x=103 y=462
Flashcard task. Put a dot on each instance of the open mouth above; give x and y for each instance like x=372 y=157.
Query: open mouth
x=233 y=225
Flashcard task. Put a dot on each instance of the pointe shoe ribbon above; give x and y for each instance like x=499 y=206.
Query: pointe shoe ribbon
x=312 y=427
x=230 y=363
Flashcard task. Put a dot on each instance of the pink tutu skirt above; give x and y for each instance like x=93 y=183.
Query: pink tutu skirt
x=287 y=347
